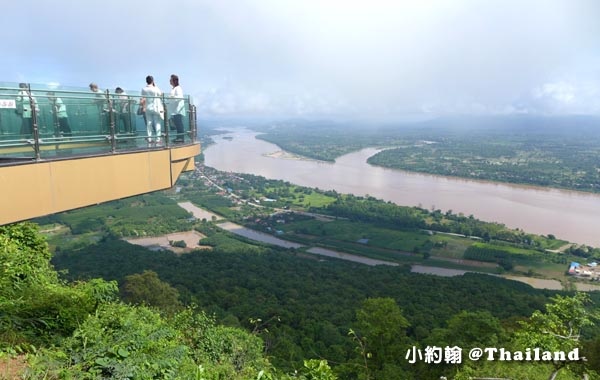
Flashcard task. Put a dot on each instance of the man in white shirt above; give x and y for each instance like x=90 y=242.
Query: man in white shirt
x=154 y=109
x=176 y=107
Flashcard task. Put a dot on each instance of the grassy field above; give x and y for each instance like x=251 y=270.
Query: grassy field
x=294 y=195
x=450 y=246
x=407 y=247
x=512 y=250
x=352 y=232
x=59 y=235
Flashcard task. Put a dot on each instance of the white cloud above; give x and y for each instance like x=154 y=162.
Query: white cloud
x=560 y=91
x=230 y=100
x=567 y=97
x=315 y=57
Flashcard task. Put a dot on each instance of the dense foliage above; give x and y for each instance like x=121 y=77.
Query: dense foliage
x=387 y=214
x=146 y=288
x=305 y=306
x=123 y=342
x=145 y=215
x=36 y=307
x=81 y=331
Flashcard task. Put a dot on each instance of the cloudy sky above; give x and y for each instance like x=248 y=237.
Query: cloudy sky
x=382 y=59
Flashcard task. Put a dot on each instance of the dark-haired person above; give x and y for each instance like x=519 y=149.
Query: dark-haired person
x=102 y=106
x=123 y=107
x=154 y=109
x=176 y=107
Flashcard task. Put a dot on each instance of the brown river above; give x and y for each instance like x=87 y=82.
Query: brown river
x=569 y=215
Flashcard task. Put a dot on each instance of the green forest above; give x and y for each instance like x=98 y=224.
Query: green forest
x=53 y=329
x=304 y=308
x=78 y=301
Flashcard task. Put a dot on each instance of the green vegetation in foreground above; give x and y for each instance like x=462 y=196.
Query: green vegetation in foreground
x=80 y=330
x=330 y=310
x=557 y=152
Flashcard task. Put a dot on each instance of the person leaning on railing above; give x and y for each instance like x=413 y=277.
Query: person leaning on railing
x=176 y=107
x=123 y=107
x=155 y=112
x=60 y=112
x=101 y=104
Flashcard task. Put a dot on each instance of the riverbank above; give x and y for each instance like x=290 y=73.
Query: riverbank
x=282 y=154
x=568 y=215
x=415 y=268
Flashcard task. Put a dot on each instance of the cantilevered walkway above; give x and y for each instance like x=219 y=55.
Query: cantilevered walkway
x=104 y=154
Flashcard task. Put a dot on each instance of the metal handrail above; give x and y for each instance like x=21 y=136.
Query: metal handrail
x=45 y=133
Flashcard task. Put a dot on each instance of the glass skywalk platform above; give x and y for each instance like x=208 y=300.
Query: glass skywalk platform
x=41 y=122
x=100 y=153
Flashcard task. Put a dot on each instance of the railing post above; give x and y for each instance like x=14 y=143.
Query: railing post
x=111 y=118
x=34 y=121
x=166 y=120
x=192 y=119
x=194 y=124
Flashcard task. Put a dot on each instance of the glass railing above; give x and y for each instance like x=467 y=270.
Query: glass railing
x=39 y=122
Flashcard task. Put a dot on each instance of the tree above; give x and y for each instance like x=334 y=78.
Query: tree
x=24 y=259
x=36 y=307
x=134 y=342
x=381 y=337
x=558 y=328
x=148 y=289
x=178 y=243
x=469 y=329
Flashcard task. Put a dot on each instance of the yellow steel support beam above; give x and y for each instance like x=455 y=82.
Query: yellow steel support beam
x=42 y=188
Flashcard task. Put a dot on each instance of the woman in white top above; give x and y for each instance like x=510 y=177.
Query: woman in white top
x=154 y=109
x=177 y=107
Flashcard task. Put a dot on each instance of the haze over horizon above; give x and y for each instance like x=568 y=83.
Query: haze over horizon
x=321 y=59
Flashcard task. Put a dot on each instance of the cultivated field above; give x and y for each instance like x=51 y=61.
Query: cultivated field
x=191 y=239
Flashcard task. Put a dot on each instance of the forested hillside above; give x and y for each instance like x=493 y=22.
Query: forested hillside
x=50 y=329
x=303 y=307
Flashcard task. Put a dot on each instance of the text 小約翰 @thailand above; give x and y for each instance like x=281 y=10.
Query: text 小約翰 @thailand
x=454 y=355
